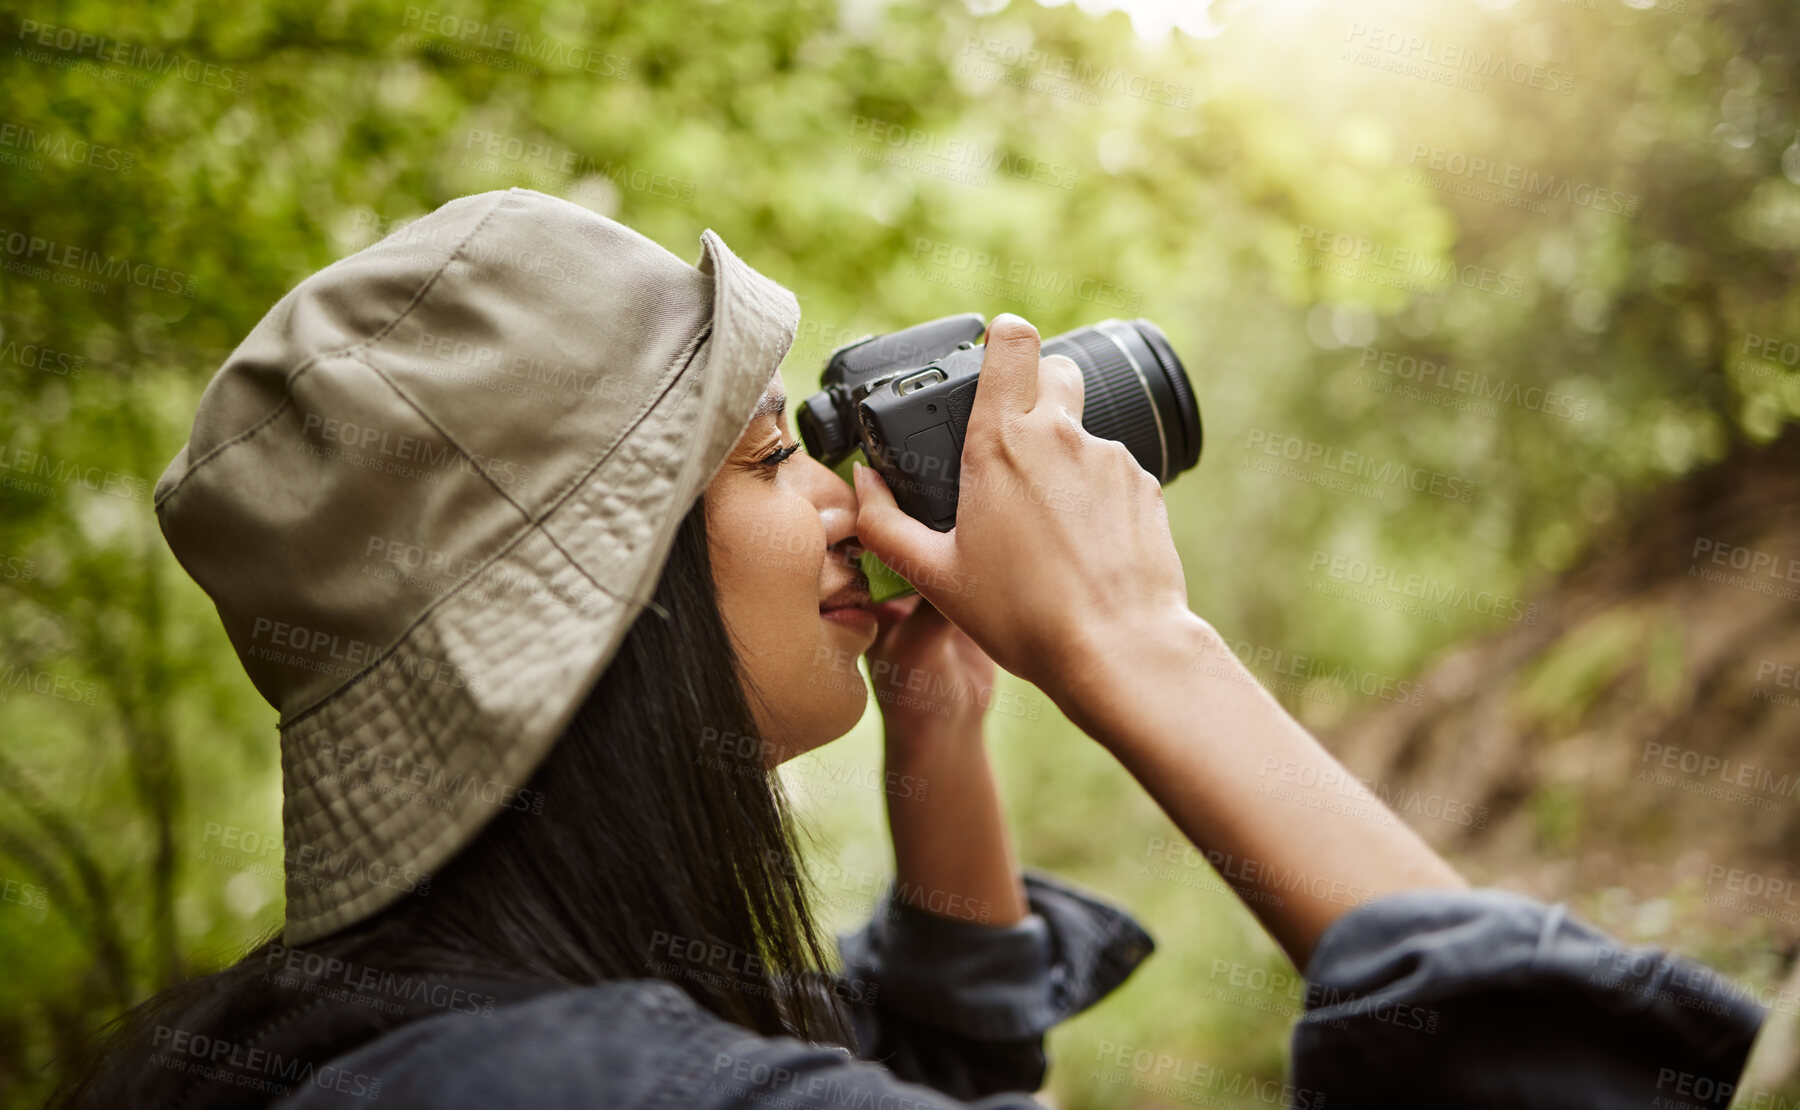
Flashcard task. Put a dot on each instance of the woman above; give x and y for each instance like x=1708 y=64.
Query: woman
x=535 y=851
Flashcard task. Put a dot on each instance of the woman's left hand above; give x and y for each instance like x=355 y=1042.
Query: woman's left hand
x=952 y=856
x=931 y=681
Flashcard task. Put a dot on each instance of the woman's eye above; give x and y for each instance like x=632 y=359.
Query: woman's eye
x=778 y=456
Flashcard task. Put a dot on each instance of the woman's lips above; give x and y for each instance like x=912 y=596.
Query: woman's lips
x=851 y=616
x=850 y=605
x=852 y=594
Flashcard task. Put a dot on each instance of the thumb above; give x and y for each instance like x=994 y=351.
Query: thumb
x=908 y=547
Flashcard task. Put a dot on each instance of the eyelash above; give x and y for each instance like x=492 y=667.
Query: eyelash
x=778 y=456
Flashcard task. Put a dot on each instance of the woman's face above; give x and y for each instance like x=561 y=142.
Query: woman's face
x=781 y=531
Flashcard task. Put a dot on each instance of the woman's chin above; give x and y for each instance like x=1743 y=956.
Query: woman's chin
x=838 y=697
x=855 y=695
x=849 y=697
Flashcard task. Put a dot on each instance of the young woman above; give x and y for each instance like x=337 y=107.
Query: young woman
x=628 y=597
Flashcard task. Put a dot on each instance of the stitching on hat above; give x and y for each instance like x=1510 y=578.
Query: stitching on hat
x=682 y=360
x=533 y=524
x=354 y=907
x=294 y=374
x=504 y=495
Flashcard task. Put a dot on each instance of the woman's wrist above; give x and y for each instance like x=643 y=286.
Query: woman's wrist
x=948 y=713
x=917 y=746
x=951 y=851
x=1192 y=724
x=1106 y=680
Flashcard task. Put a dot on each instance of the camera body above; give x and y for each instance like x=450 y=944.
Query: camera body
x=904 y=398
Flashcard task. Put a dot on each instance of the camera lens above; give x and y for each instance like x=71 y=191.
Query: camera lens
x=1137 y=392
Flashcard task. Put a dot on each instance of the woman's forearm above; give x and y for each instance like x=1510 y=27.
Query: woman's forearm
x=1283 y=822
x=952 y=854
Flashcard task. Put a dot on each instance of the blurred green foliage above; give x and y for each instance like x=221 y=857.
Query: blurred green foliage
x=889 y=162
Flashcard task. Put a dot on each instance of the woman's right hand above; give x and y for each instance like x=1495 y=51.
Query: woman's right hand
x=1068 y=578
x=1061 y=558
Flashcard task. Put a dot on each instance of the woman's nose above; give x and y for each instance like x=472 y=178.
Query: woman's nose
x=831 y=495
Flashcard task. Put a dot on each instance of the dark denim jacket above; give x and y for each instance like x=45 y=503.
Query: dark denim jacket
x=1465 y=999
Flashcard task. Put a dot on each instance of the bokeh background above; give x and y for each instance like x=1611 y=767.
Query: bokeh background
x=1490 y=307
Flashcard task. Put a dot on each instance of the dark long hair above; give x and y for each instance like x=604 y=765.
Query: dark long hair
x=650 y=838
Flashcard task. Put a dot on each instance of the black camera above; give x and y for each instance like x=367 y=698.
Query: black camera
x=904 y=398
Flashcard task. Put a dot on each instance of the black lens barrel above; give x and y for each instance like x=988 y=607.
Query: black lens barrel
x=1137 y=392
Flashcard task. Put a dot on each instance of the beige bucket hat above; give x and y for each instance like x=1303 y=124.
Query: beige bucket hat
x=430 y=492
